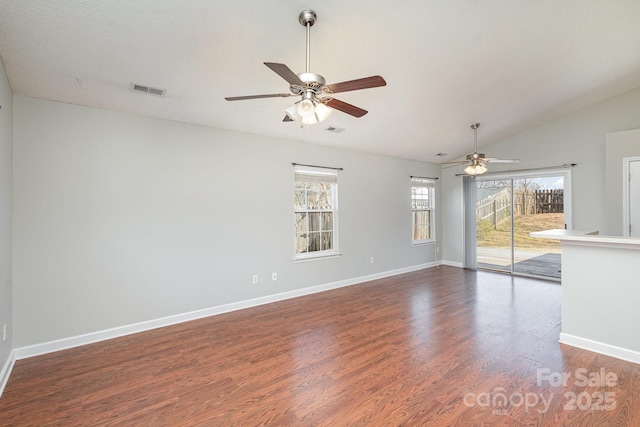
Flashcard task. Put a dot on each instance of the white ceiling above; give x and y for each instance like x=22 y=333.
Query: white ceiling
x=509 y=64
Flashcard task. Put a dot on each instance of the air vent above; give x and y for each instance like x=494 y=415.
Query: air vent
x=441 y=154
x=334 y=129
x=134 y=87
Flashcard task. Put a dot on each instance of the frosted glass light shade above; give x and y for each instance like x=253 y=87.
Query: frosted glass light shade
x=306 y=108
x=308 y=111
x=475 y=169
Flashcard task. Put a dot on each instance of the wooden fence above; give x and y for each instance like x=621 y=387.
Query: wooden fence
x=495 y=211
x=497 y=208
x=549 y=201
x=538 y=202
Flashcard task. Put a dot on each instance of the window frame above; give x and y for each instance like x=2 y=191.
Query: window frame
x=430 y=185
x=316 y=175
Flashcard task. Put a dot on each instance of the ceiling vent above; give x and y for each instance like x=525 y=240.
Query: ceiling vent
x=441 y=154
x=334 y=129
x=135 y=87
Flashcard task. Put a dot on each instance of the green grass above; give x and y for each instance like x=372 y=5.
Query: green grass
x=523 y=225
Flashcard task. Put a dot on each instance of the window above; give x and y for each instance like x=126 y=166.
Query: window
x=315 y=208
x=422 y=190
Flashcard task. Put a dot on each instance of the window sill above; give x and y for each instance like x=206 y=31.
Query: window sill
x=423 y=242
x=317 y=257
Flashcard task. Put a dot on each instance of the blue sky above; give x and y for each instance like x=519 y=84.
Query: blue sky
x=551 y=183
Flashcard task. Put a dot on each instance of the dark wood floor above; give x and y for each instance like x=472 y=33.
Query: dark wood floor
x=437 y=347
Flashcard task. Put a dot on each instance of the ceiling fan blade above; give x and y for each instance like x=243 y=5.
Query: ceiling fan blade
x=287 y=118
x=452 y=165
x=364 y=83
x=492 y=160
x=271 y=95
x=344 y=107
x=460 y=162
x=285 y=72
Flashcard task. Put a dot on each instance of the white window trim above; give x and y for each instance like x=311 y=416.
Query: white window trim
x=315 y=256
x=432 y=217
x=327 y=254
x=424 y=242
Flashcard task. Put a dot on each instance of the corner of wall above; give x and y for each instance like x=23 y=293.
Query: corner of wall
x=5 y=372
x=6 y=227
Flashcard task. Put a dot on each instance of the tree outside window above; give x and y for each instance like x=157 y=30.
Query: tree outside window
x=315 y=210
x=422 y=190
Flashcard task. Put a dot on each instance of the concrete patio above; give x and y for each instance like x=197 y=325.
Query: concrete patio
x=534 y=263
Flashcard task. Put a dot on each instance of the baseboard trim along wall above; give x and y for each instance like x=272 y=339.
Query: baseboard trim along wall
x=453 y=264
x=6 y=370
x=93 y=337
x=599 y=347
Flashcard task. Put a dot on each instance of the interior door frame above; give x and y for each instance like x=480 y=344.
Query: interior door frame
x=626 y=203
x=566 y=173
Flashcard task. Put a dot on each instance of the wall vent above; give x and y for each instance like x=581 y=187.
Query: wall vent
x=135 y=87
x=334 y=129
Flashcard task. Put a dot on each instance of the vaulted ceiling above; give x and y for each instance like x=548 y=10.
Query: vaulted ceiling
x=509 y=64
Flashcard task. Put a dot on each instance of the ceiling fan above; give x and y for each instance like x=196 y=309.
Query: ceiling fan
x=316 y=102
x=476 y=162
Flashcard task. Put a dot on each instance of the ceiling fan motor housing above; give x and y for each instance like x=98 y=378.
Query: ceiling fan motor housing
x=312 y=81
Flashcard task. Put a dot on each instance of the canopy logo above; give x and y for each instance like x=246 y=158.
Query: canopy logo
x=501 y=402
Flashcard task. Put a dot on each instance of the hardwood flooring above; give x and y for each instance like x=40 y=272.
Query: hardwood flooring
x=437 y=347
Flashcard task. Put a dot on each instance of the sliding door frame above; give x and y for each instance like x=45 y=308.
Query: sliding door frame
x=512 y=176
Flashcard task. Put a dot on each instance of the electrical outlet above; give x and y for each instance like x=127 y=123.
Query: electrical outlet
x=254 y=280
x=274 y=276
x=371 y=260
x=4 y=333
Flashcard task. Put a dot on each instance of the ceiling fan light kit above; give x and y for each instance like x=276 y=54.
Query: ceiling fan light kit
x=316 y=103
x=308 y=112
x=477 y=169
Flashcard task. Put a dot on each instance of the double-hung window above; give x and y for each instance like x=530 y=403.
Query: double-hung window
x=422 y=207
x=315 y=212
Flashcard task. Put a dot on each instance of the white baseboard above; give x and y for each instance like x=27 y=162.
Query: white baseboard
x=452 y=263
x=599 y=347
x=6 y=370
x=92 y=337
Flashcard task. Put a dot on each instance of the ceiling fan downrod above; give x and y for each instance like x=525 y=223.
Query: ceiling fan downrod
x=475 y=127
x=307 y=18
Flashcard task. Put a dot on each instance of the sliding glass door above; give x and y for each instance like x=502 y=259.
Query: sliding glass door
x=538 y=205
x=493 y=224
x=508 y=208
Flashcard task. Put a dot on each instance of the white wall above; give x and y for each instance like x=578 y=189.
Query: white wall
x=120 y=219
x=600 y=303
x=6 y=179
x=575 y=138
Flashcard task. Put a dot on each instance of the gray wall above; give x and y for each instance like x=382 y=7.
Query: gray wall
x=575 y=138
x=121 y=219
x=6 y=204
x=619 y=145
